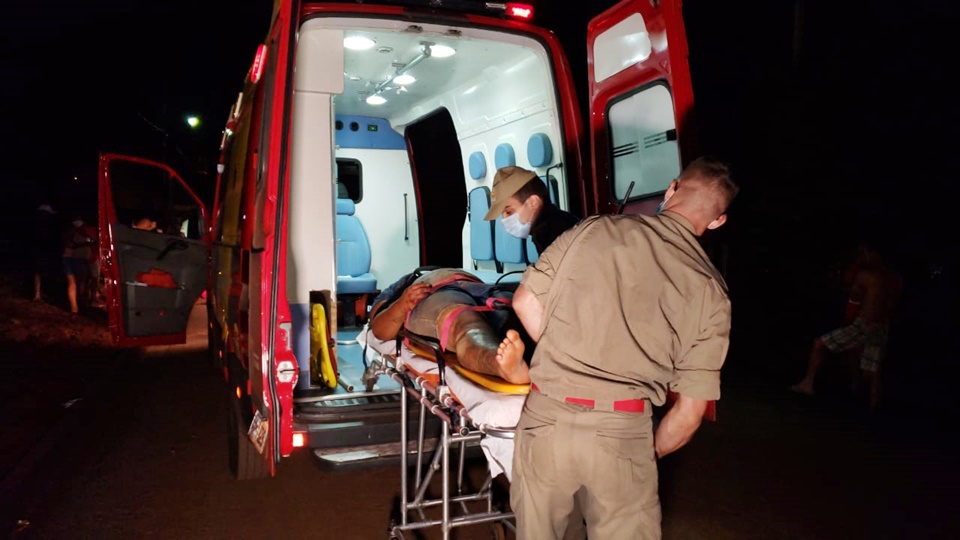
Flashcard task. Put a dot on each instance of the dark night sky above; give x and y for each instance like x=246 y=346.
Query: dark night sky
x=856 y=137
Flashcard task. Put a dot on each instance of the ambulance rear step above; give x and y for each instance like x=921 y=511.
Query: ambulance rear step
x=383 y=455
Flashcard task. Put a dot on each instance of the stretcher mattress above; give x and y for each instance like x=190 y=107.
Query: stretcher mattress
x=484 y=406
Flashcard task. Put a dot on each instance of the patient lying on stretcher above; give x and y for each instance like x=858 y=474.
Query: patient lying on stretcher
x=440 y=305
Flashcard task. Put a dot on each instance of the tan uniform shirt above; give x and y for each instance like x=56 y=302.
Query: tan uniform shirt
x=632 y=307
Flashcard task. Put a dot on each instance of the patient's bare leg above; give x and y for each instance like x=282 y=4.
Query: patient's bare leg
x=479 y=349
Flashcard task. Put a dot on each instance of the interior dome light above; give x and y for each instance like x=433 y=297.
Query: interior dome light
x=376 y=100
x=441 y=51
x=404 y=79
x=358 y=43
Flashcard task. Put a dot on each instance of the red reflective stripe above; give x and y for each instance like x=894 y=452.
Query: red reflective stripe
x=585 y=402
x=625 y=405
x=629 y=405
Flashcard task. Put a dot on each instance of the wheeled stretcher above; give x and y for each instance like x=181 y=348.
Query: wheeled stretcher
x=473 y=408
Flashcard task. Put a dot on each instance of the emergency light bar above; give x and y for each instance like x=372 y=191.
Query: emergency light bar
x=520 y=11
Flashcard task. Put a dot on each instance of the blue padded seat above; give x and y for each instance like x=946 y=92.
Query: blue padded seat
x=539 y=150
x=477 y=165
x=481 y=232
x=504 y=156
x=353 y=252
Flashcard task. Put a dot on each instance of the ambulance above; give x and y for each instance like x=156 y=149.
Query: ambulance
x=363 y=145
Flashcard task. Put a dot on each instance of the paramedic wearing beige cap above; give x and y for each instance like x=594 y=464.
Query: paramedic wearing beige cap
x=625 y=309
x=522 y=202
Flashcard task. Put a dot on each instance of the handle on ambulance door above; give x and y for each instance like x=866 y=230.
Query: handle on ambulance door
x=406 y=220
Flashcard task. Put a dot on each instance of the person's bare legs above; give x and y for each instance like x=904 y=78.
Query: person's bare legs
x=479 y=349
x=817 y=355
x=36 y=287
x=72 y=293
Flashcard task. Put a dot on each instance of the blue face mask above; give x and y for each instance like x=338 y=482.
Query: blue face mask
x=515 y=227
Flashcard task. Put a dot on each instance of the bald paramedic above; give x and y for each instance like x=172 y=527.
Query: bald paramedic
x=624 y=309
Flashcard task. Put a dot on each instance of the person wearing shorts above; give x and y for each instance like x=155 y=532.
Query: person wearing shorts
x=876 y=290
x=870 y=338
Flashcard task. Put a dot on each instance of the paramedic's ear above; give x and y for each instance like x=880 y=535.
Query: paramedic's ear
x=715 y=224
x=674 y=184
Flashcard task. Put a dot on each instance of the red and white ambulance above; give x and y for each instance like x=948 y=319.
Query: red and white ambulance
x=363 y=145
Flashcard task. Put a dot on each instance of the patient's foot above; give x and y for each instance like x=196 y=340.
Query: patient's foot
x=510 y=359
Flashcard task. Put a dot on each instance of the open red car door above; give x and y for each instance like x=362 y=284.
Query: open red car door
x=641 y=103
x=153 y=250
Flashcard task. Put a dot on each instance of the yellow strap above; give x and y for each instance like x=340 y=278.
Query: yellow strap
x=320 y=346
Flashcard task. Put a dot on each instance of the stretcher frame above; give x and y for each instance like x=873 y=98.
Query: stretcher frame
x=458 y=430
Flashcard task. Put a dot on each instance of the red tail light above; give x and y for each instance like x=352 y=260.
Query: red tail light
x=258 y=62
x=520 y=11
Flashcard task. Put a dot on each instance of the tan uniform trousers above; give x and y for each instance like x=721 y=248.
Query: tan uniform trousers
x=604 y=459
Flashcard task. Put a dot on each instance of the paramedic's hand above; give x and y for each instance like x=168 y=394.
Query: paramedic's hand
x=413 y=295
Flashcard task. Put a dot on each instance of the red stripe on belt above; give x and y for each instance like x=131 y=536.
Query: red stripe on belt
x=623 y=405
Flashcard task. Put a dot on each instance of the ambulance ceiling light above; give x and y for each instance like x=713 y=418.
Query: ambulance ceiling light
x=404 y=78
x=358 y=43
x=441 y=51
x=376 y=99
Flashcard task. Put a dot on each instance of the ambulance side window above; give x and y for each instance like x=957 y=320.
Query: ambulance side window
x=643 y=136
x=349 y=179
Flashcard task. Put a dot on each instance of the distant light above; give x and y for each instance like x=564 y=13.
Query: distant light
x=520 y=11
x=376 y=100
x=258 y=62
x=404 y=79
x=358 y=43
x=74 y=177
x=193 y=121
x=441 y=51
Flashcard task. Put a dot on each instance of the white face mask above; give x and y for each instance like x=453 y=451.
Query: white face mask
x=515 y=227
x=77 y=223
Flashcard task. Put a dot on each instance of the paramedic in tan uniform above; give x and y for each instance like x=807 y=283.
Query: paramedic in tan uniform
x=624 y=309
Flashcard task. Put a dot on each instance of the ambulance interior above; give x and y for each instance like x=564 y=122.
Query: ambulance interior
x=421 y=116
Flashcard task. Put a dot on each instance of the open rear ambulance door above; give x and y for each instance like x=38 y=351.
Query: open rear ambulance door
x=152 y=277
x=641 y=103
x=641 y=107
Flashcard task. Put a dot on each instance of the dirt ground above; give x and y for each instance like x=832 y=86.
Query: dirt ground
x=146 y=456
x=50 y=359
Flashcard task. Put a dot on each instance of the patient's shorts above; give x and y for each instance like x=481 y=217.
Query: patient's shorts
x=871 y=336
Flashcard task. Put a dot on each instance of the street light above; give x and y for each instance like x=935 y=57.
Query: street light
x=193 y=121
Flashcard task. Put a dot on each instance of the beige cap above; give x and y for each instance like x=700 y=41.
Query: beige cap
x=506 y=182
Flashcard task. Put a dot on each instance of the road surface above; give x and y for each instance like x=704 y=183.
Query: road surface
x=146 y=458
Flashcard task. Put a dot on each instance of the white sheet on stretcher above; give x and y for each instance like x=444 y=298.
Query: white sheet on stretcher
x=484 y=406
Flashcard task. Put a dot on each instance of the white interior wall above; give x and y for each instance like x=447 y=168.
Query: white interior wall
x=386 y=178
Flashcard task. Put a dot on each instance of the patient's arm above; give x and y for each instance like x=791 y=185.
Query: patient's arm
x=385 y=324
x=529 y=311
